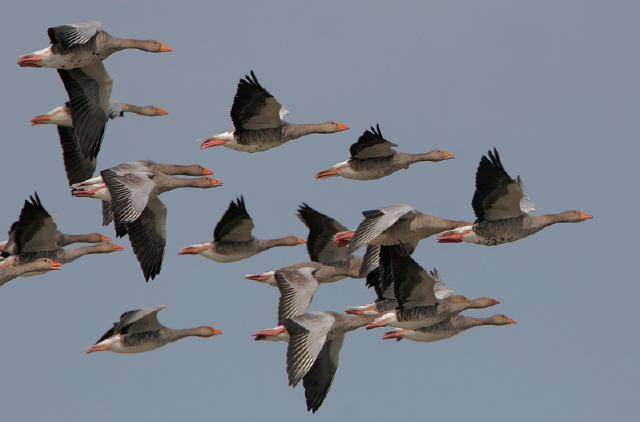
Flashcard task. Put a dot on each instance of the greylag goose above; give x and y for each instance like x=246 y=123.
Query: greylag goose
x=96 y=188
x=257 y=120
x=394 y=224
x=35 y=234
x=373 y=157
x=8 y=247
x=77 y=167
x=414 y=291
x=388 y=226
x=386 y=299
x=501 y=207
x=83 y=44
x=137 y=210
x=321 y=249
x=314 y=348
x=38 y=266
x=139 y=331
x=297 y=285
x=232 y=238
x=447 y=328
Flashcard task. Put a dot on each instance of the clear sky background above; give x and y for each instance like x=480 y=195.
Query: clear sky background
x=553 y=85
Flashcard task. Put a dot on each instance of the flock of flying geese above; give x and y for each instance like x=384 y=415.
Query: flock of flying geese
x=418 y=304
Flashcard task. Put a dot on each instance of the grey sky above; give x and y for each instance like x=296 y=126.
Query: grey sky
x=553 y=85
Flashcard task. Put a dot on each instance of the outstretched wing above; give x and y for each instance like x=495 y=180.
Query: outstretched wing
x=35 y=231
x=375 y=222
x=235 y=225
x=371 y=144
x=89 y=89
x=148 y=237
x=296 y=291
x=253 y=107
x=307 y=335
x=73 y=35
x=320 y=245
x=144 y=319
x=497 y=195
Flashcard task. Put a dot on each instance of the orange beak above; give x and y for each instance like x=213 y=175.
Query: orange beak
x=40 y=120
x=448 y=155
x=55 y=265
x=165 y=48
x=342 y=127
x=206 y=172
x=216 y=183
x=213 y=142
x=494 y=302
x=393 y=334
x=584 y=216
x=104 y=238
x=301 y=241
x=217 y=332
x=117 y=247
x=259 y=278
x=328 y=173
x=192 y=250
x=511 y=320
x=160 y=111
x=29 y=61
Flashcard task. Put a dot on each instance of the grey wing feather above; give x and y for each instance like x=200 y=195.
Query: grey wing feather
x=235 y=225
x=35 y=231
x=130 y=193
x=375 y=222
x=73 y=35
x=497 y=195
x=308 y=333
x=319 y=378
x=89 y=90
x=107 y=216
x=441 y=289
x=526 y=205
x=320 y=246
x=254 y=107
x=370 y=260
x=77 y=167
x=413 y=285
x=148 y=237
x=145 y=316
x=296 y=291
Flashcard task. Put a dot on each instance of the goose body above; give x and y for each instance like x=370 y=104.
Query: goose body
x=35 y=235
x=372 y=157
x=314 y=348
x=257 y=120
x=138 y=212
x=332 y=263
x=394 y=224
x=78 y=166
x=233 y=239
x=502 y=209
x=139 y=331
x=447 y=328
x=414 y=289
x=83 y=44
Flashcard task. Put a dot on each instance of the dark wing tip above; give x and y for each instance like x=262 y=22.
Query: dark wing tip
x=372 y=213
x=376 y=131
x=239 y=205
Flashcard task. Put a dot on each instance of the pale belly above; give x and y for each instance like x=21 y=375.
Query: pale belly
x=426 y=337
